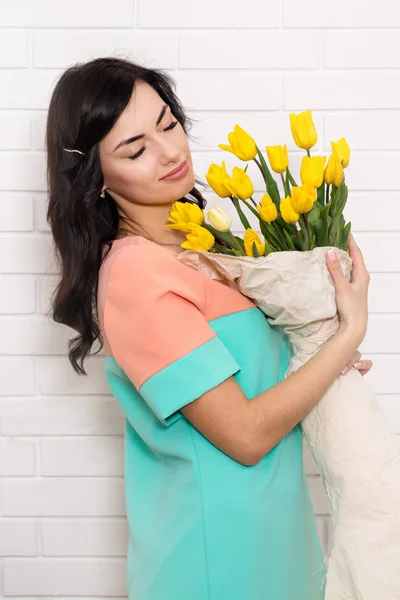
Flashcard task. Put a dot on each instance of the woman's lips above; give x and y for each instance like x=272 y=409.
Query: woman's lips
x=181 y=172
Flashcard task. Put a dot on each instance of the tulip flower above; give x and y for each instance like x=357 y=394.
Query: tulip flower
x=334 y=171
x=215 y=178
x=289 y=215
x=303 y=198
x=267 y=209
x=312 y=170
x=240 y=184
x=303 y=130
x=183 y=213
x=219 y=219
x=249 y=237
x=278 y=158
x=242 y=144
x=342 y=149
x=198 y=238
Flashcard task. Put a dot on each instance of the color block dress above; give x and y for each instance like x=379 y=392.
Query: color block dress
x=201 y=525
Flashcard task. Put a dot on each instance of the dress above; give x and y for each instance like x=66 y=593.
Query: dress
x=201 y=525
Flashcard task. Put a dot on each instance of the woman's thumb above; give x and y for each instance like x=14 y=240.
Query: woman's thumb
x=334 y=267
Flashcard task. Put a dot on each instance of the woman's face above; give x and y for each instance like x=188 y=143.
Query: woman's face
x=133 y=171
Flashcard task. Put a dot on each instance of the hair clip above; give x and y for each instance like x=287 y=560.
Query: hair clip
x=79 y=152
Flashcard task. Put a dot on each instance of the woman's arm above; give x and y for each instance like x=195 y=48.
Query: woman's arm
x=247 y=430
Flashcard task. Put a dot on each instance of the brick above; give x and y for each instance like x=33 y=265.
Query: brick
x=59 y=416
x=178 y=13
x=16 y=212
x=26 y=88
x=84 y=537
x=358 y=90
x=67 y=496
x=17 y=294
x=18 y=537
x=321 y=13
x=17 y=457
x=22 y=13
x=15 y=130
x=13 y=48
x=33 y=336
x=229 y=90
x=27 y=254
x=382 y=334
x=384 y=292
x=362 y=49
x=256 y=50
x=364 y=130
x=82 y=456
x=154 y=49
x=31 y=165
x=56 y=373
x=66 y=577
x=16 y=376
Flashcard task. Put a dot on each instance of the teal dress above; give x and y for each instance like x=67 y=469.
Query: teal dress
x=202 y=526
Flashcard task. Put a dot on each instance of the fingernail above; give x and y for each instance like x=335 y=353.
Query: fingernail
x=357 y=365
x=344 y=371
x=332 y=255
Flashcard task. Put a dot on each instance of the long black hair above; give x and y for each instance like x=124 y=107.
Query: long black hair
x=85 y=104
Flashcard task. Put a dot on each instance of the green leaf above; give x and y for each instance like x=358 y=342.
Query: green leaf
x=255 y=251
x=242 y=216
x=315 y=214
x=321 y=194
x=344 y=241
x=289 y=240
x=272 y=186
x=224 y=250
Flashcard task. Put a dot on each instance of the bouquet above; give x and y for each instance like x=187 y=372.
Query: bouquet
x=282 y=268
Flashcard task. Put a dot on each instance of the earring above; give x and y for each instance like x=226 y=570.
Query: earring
x=102 y=195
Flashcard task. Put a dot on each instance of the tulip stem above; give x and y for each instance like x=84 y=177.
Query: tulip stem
x=308 y=152
x=253 y=201
x=279 y=233
x=307 y=226
x=327 y=194
x=284 y=184
x=239 y=247
x=299 y=239
x=261 y=169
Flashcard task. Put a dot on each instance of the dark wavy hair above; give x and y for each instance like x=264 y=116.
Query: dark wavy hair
x=85 y=104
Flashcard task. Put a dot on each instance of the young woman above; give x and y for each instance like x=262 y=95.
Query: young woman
x=216 y=496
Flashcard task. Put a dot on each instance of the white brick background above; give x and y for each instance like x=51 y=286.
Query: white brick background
x=62 y=527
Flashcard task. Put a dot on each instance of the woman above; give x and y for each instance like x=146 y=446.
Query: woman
x=216 y=496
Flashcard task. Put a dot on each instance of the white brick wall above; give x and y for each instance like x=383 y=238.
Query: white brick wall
x=62 y=526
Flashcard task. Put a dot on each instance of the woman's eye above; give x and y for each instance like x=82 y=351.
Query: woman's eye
x=173 y=124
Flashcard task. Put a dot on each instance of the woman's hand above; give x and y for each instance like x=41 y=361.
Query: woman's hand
x=363 y=366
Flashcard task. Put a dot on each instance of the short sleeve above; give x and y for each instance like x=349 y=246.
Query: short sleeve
x=157 y=333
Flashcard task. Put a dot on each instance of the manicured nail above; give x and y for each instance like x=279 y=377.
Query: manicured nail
x=357 y=365
x=332 y=255
x=345 y=370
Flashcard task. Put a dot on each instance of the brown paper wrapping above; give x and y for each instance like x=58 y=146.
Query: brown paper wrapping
x=347 y=432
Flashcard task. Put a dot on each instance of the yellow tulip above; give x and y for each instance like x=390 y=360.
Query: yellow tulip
x=334 y=171
x=343 y=151
x=242 y=144
x=267 y=209
x=303 y=198
x=303 y=130
x=198 y=238
x=240 y=184
x=249 y=237
x=215 y=178
x=182 y=213
x=289 y=215
x=278 y=158
x=219 y=219
x=312 y=170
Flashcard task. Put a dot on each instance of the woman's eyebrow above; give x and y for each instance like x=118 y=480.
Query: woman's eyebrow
x=137 y=137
